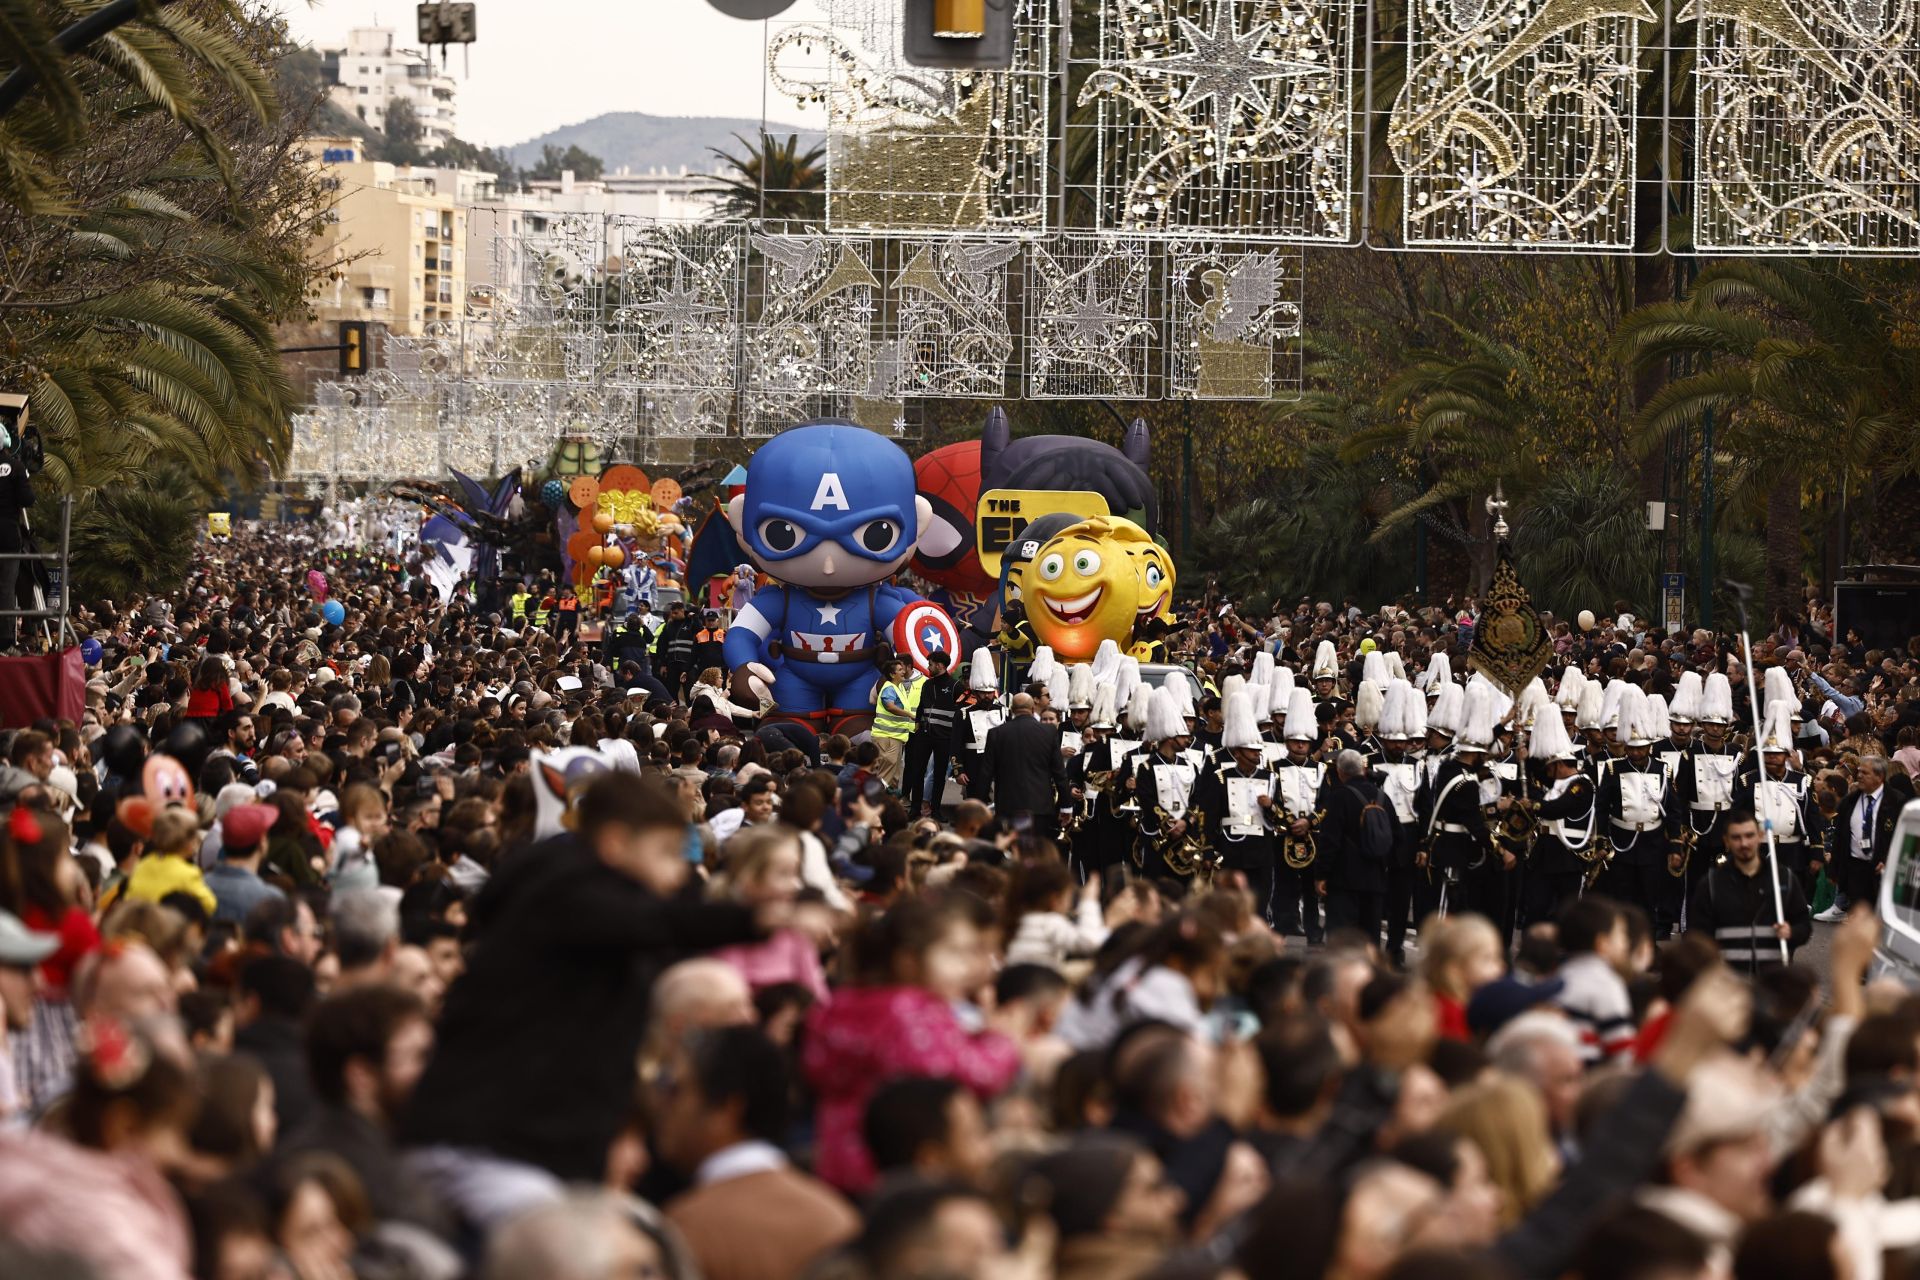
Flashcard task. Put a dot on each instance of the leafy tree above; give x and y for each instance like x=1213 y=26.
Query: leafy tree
x=134 y=537
x=553 y=162
x=141 y=319
x=772 y=179
x=1811 y=371
x=456 y=153
x=403 y=133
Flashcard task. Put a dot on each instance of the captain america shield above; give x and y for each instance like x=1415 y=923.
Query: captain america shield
x=921 y=628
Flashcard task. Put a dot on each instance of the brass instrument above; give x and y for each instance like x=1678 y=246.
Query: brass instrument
x=1186 y=854
x=1096 y=780
x=1598 y=855
x=1298 y=852
x=1689 y=840
x=1514 y=829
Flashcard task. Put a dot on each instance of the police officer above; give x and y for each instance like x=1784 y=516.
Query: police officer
x=932 y=739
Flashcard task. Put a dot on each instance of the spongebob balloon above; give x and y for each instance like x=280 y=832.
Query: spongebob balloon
x=1084 y=586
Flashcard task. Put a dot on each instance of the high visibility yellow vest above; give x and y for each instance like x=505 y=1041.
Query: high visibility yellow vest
x=519 y=603
x=888 y=725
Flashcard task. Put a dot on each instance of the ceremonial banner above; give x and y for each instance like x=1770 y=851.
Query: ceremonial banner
x=1510 y=647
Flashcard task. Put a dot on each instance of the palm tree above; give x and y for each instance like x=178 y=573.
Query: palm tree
x=1805 y=366
x=773 y=181
x=179 y=59
x=1583 y=538
x=1460 y=420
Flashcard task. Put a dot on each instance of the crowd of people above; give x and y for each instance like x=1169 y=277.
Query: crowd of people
x=1282 y=947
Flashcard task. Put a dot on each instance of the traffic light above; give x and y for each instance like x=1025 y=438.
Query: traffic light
x=959 y=35
x=353 y=348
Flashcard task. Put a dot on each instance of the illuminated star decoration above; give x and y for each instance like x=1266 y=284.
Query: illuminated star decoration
x=1090 y=318
x=1225 y=66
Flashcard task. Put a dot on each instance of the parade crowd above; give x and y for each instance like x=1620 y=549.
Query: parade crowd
x=1284 y=945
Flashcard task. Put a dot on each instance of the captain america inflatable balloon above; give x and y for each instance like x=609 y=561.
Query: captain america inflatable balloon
x=830 y=513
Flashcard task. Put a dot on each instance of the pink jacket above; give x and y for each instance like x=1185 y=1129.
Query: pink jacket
x=870 y=1035
x=116 y=1214
x=788 y=956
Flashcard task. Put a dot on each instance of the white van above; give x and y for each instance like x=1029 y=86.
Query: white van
x=1898 y=955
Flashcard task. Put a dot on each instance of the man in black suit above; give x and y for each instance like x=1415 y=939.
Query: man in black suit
x=1863 y=836
x=1025 y=770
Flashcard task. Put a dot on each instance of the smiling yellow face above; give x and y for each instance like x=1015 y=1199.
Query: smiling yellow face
x=1155 y=568
x=1082 y=588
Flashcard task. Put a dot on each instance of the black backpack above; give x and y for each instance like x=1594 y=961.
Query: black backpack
x=1376 y=825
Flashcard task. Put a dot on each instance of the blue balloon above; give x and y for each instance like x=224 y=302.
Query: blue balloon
x=334 y=612
x=90 y=651
x=553 y=493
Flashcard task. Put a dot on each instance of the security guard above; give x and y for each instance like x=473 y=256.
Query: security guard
x=519 y=602
x=894 y=713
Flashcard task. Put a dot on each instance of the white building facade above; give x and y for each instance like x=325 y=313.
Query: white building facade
x=371 y=75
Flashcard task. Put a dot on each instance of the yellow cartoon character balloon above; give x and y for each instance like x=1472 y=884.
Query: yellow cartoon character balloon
x=1155 y=567
x=1081 y=587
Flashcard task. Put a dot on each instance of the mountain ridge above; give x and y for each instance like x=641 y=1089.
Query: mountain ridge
x=639 y=141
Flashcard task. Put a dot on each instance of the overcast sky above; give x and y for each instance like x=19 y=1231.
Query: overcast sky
x=540 y=64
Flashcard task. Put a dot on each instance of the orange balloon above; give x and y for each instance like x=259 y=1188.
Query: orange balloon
x=614 y=558
x=602 y=522
x=623 y=476
x=596 y=554
x=666 y=492
x=583 y=491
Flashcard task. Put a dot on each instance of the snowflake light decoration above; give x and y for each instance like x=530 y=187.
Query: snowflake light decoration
x=1230 y=117
x=1090 y=328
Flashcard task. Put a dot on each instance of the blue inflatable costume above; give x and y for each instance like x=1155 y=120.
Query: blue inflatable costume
x=830 y=513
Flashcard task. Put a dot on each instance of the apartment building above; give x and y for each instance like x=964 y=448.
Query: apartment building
x=370 y=75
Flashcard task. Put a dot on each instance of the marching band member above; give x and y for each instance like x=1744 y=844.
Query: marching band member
x=1234 y=797
x=1279 y=698
x=1326 y=674
x=1442 y=720
x=1397 y=774
x=978 y=712
x=1177 y=685
x=1296 y=907
x=1637 y=803
x=1368 y=701
x=1590 y=722
x=1073 y=724
x=1162 y=784
x=1779 y=795
x=1454 y=817
x=1567 y=697
x=1567 y=822
x=1706 y=783
x=1683 y=709
x=1437 y=676
x=1100 y=835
